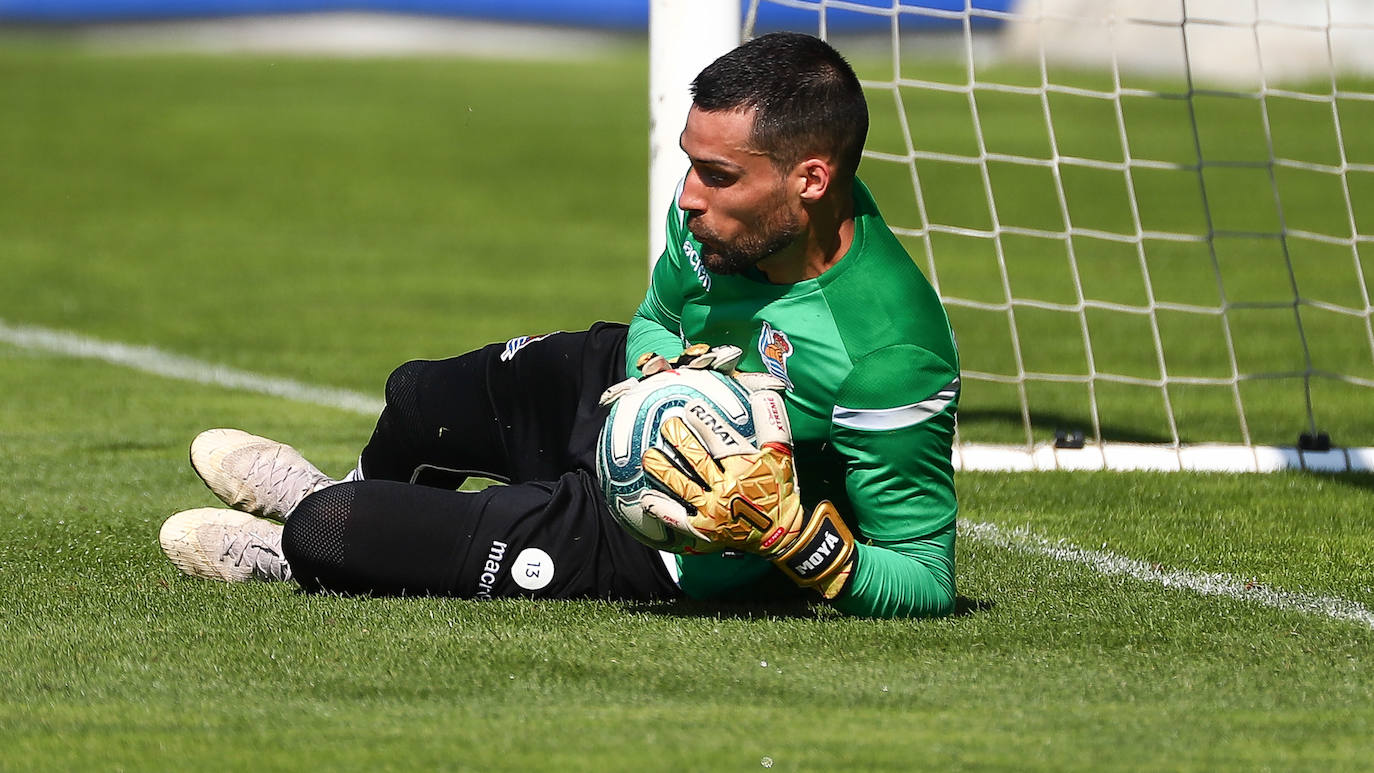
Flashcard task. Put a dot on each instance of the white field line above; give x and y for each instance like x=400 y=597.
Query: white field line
x=155 y=361
x=1111 y=564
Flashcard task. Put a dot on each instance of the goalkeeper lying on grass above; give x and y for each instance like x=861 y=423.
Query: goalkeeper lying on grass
x=778 y=257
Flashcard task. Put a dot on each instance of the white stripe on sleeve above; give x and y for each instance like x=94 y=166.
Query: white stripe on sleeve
x=880 y=419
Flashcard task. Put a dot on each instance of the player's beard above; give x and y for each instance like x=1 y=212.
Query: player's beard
x=772 y=235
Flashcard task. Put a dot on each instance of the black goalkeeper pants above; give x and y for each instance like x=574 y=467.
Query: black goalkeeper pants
x=524 y=412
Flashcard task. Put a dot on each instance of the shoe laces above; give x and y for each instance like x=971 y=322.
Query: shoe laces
x=261 y=554
x=283 y=486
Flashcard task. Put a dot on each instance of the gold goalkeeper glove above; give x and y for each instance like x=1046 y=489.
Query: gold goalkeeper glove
x=736 y=494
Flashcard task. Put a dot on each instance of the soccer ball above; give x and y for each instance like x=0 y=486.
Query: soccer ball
x=632 y=428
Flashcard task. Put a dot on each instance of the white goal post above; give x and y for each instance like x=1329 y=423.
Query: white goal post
x=684 y=37
x=1151 y=221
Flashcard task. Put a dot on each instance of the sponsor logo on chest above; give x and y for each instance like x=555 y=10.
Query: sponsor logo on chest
x=694 y=258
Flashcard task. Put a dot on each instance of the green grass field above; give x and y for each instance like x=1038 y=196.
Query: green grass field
x=323 y=221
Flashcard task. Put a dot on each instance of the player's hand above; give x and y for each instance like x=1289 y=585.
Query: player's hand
x=697 y=357
x=736 y=494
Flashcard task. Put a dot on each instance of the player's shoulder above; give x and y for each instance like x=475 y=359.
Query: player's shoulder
x=896 y=375
x=892 y=321
x=887 y=267
x=878 y=274
x=877 y=293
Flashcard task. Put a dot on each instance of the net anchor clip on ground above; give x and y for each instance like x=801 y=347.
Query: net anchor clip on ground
x=1319 y=441
x=1068 y=438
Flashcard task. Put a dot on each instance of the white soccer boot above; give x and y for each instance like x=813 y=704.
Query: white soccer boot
x=253 y=474
x=217 y=544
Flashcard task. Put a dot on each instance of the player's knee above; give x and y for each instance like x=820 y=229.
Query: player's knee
x=313 y=540
x=403 y=389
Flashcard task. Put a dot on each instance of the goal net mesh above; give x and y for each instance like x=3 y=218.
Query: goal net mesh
x=1150 y=221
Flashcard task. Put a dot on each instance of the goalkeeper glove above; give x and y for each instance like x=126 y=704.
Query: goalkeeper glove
x=697 y=357
x=735 y=494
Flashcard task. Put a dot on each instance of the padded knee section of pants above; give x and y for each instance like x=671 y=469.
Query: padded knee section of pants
x=313 y=539
x=395 y=448
x=403 y=393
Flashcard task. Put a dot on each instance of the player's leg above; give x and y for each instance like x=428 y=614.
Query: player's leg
x=523 y=410
x=539 y=540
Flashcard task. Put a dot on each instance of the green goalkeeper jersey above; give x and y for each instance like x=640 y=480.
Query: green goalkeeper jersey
x=873 y=386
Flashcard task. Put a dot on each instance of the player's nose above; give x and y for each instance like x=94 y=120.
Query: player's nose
x=692 y=199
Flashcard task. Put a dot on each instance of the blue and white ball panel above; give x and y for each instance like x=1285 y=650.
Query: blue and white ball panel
x=632 y=428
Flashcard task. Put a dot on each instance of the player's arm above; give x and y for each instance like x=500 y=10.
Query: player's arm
x=656 y=324
x=900 y=483
x=894 y=424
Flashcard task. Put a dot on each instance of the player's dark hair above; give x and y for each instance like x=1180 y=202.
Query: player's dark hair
x=807 y=97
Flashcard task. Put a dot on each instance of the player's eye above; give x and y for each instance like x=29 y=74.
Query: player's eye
x=714 y=178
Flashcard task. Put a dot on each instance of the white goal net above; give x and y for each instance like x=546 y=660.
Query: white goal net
x=1150 y=220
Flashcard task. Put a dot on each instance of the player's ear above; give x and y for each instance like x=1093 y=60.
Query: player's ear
x=815 y=175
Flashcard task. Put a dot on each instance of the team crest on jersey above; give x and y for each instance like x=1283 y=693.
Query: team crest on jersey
x=775 y=348
x=514 y=345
